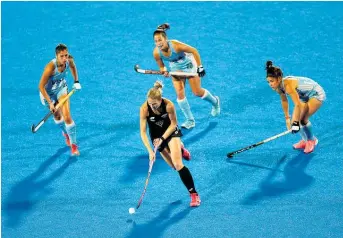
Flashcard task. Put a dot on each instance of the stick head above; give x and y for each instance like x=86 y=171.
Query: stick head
x=33 y=128
x=136 y=67
x=230 y=155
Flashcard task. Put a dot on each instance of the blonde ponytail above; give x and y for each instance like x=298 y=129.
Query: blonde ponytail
x=156 y=91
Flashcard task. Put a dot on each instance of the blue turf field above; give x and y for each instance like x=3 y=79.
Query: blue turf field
x=270 y=191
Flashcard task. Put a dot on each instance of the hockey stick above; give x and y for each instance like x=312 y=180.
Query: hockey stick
x=148 y=71
x=151 y=163
x=35 y=128
x=231 y=154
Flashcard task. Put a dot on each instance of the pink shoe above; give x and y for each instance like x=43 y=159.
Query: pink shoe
x=310 y=145
x=300 y=145
x=74 y=150
x=185 y=153
x=67 y=138
x=195 y=200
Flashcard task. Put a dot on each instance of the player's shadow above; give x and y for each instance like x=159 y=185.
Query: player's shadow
x=31 y=190
x=295 y=179
x=103 y=137
x=156 y=227
x=199 y=135
x=139 y=166
x=253 y=165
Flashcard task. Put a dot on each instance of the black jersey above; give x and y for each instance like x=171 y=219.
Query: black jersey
x=158 y=124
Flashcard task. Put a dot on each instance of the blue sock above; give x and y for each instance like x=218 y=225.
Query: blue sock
x=71 y=129
x=186 y=109
x=308 y=130
x=208 y=97
x=303 y=134
x=61 y=125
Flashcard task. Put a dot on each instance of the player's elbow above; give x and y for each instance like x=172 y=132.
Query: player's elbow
x=194 y=51
x=41 y=87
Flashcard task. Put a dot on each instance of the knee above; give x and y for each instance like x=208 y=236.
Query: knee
x=178 y=166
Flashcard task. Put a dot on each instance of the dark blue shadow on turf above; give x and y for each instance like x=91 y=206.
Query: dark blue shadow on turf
x=139 y=166
x=199 y=135
x=156 y=227
x=97 y=144
x=252 y=165
x=27 y=193
x=295 y=179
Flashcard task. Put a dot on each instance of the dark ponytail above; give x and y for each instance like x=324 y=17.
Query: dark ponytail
x=164 y=27
x=273 y=71
x=161 y=29
x=269 y=64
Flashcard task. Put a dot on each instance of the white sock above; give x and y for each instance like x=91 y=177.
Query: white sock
x=186 y=109
x=308 y=130
x=71 y=129
x=303 y=134
x=209 y=97
x=61 y=125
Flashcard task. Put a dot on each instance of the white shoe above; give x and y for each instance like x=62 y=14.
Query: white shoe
x=188 y=124
x=216 y=109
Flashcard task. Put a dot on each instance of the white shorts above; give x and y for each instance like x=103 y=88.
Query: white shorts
x=318 y=93
x=54 y=96
x=188 y=64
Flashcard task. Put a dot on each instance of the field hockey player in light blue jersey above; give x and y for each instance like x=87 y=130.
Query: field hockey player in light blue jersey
x=184 y=58
x=53 y=87
x=307 y=96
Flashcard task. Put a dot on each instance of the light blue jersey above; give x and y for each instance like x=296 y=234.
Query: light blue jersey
x=179 y=61
x=307 y=88
x=57 y=84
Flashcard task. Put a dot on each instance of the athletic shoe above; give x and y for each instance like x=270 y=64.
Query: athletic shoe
x=216 y=109
x=195 y=200
x=310 y=145
x=74 y=150
x=188 y=124
x=300 y=145
x=185 y=153
x=67 y=138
